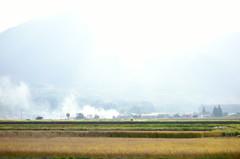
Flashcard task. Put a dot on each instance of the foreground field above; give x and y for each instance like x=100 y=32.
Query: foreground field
x=121 y=139
x=120 y=147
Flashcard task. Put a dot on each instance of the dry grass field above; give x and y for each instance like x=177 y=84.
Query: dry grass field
x=120 y=147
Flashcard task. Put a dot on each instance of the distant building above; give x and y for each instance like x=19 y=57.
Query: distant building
x=186 y=116
x=163 y=115
x=234 y=114
x=149 y=116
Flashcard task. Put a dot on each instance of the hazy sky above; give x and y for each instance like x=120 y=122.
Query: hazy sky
x=146 y=29
x=152 y=27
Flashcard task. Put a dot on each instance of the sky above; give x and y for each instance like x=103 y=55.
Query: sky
x=184 y=24
x=171 y=44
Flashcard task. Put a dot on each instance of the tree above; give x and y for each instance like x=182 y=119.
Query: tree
x=220 y=113
x=203 y=111
x=80 y=116
x=195 y=116
x=96 y=116
x=68 y=115
x=215 y=112
x=39 y=118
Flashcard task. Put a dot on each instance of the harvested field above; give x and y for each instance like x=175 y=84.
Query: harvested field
x=120 y=147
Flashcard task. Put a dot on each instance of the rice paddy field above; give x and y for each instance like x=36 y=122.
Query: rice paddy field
x=183 y=139
x=226 y=125
x=120 y=147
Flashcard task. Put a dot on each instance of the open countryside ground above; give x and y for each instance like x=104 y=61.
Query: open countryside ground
x=121 y=139
x=120 y=147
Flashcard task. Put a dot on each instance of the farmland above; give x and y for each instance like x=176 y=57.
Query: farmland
x=120 y=147
x=181 y=139
x=161 y=125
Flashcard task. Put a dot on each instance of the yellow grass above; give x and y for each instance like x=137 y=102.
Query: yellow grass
x=119 y=147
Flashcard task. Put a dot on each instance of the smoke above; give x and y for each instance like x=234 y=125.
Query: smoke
x=17 y=101
x=13 y=96
x=70 y=105
x=91 y=111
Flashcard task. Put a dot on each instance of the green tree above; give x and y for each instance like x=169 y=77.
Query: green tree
x=203 y=111
x=68 y=115
x=220 y=113
x=80 y=116
x=39 y=118
x=215 y=112
x=96 y=116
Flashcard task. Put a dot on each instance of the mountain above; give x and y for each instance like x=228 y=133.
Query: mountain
x=51 y=50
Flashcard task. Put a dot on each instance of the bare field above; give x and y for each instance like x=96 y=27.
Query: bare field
x=119 y=147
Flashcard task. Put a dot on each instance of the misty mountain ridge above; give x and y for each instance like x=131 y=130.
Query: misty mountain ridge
x=57 y=61
x=41 y=51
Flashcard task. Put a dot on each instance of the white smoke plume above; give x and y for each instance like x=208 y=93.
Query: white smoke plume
x=70 y=105
x=88 y=110
x=14 y=98
x=17 y=102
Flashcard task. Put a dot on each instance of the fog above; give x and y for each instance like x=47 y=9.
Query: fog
x=109 y=58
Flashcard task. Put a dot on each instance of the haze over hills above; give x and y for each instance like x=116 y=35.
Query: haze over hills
x=43 y=51
x=52 y=66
